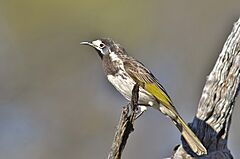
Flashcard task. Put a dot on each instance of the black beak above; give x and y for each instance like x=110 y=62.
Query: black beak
x=91 y=44
x=86 y=43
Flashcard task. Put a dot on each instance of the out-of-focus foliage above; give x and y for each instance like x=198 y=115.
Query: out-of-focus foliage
x=55 y=102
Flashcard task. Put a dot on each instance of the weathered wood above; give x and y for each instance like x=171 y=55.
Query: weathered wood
x=125 y=126
x=213 y=117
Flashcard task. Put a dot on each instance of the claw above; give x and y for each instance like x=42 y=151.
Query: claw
x=141 y=109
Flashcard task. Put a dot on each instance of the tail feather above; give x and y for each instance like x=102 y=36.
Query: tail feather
x=192 y=140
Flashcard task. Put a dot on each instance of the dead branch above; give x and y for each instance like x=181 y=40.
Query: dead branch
x=125 y=126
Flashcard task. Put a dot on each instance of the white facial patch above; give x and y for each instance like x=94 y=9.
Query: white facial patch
x=97 y=42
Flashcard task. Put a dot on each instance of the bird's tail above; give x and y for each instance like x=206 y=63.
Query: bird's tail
x=168 y=109
x=192 y=140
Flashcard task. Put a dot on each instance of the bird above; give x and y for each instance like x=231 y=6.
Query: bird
x=124 y=71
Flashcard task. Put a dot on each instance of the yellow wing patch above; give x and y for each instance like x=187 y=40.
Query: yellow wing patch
x=158 y=93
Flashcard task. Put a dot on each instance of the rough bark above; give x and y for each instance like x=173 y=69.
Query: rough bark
x=213 y=118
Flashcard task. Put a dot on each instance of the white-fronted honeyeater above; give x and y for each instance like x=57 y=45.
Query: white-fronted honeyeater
x=124 y=72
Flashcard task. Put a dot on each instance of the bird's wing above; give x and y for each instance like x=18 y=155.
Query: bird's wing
x=145 y=78
x=147 y=81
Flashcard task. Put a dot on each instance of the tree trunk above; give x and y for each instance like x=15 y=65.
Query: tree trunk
x=213 y=117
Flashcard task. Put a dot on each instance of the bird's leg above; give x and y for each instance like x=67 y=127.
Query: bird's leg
x=141 y=109
x=142 y=104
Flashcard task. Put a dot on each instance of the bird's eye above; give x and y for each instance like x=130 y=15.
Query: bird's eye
x=101 y=45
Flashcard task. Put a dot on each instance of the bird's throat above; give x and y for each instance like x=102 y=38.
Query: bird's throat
x=99 y=53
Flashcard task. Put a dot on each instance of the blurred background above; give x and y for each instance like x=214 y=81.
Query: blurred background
x=55 y=102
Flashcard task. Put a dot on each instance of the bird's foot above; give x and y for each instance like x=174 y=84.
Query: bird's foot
x=140 y=110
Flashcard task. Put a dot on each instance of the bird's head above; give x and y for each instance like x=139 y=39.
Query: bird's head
x=105 y=46
x=102 y=46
